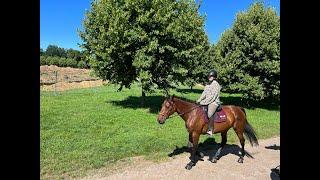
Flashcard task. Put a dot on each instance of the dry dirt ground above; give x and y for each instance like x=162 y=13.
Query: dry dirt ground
x=265 y=157
x=54 y=78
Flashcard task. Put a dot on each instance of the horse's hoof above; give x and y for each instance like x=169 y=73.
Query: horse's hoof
x=189 y=165
x=240 y=160
x=214 y=160
x=201 y=154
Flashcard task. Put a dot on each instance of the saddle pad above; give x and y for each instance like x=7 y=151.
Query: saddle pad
x=219 y=117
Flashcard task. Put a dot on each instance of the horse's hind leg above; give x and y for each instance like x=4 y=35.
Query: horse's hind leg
x=223 y=143
x=242 y=140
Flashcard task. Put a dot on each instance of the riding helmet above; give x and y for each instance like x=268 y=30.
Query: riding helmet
x=213 y=73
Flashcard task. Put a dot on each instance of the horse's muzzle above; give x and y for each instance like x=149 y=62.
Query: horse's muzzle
x=161 y=119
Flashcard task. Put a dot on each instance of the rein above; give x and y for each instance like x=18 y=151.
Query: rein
x=184 y=112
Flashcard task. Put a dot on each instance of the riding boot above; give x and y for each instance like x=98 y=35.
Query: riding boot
x=210 y=126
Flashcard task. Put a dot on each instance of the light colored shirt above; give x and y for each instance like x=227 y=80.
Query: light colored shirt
x=210 y=94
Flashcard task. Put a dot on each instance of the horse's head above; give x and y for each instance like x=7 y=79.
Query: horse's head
x=167 y=109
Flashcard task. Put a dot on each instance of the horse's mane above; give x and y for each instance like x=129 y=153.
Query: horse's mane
x=185 y=99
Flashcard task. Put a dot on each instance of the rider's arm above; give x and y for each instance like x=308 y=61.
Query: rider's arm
x=211 y=94
x=203 y=95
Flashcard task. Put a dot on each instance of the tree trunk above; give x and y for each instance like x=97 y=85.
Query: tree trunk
x=143 y=95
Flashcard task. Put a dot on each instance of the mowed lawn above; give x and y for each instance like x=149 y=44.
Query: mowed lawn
x=89 y=128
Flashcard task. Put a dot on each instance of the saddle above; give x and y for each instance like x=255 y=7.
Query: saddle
x=218 y=116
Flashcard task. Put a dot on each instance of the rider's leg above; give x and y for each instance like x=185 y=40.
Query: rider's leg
x=211 y=110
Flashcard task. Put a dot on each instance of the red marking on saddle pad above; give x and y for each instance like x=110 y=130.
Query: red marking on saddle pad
x=219 y=117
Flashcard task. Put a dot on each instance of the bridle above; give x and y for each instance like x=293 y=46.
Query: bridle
x=166 y=114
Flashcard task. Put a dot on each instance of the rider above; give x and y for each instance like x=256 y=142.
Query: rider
x=210 y=97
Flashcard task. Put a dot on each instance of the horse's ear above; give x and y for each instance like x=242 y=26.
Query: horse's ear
x=166 y=93
x=171 y=97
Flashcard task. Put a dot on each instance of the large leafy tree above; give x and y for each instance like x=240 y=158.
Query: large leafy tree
x=248 y=55
x=155 y=42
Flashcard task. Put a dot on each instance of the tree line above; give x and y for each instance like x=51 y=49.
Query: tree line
x=55 y=55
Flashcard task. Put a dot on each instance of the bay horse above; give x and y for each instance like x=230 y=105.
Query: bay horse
x=192 y=114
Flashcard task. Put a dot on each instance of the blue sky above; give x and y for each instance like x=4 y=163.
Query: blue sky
x=60 y=19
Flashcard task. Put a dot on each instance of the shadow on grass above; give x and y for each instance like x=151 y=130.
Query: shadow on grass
x=209 y=147
x=236 y=100
x=154 y=102
x=266 y=104
x=134 y=102
x=199 y=91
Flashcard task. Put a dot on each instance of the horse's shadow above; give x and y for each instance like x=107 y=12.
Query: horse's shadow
x=209 y=147
x=275 y=173
x=274 y=147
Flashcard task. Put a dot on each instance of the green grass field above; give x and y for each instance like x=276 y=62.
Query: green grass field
x=89 y=128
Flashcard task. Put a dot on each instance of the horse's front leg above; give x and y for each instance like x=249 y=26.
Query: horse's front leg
x=190 y=145
x=190 y=142
x=195 y=139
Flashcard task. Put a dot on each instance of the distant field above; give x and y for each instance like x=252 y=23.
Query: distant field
x=89 y=128
x=54 y=78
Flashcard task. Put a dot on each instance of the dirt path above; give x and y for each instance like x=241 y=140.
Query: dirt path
x=266 y=156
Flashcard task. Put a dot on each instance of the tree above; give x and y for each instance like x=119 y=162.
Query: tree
x=201 y=68
x=53 y=50
x=49 y=60
x=62 y=62
x=41 y=52
x=71 y=63
x=157 y=43
x=74 y=54
x=43 y=60
x=84 y=59
x=248 y=55
x=82 y=65
x=55 y=60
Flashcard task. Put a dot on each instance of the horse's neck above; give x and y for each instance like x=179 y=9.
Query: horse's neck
x=183 y=107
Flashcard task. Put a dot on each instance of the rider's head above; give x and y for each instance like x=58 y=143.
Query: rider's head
x=212 y=75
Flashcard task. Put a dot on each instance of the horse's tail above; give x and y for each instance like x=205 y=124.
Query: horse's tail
x=249 y=131
x=250 y=134
x=243 y=110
